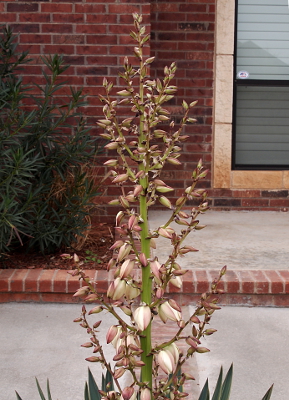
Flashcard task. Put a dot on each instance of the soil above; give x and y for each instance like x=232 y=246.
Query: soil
x=94 y=253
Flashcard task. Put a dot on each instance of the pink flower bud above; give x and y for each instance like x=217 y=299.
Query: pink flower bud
x=145 y=394
x=111 y=333
x=177 y=281
x=111 y=163
x=167 y=312
x=131 y=291
x=137 y=190
x=166 y=361
x=119 y=372
x=128 y=393
x=165 y=233
x=143 y=259
x=123 y=252
x=116 y=245
x=119 y=287
x=87 y=344
x=119 y=217
x=142 y=317
x=83 y=291
x=120 y=178
x=155 y=267
x=175 y=305
x=165 y=201
x=126 y=268
x=75 y=258
x=132 y=221
x=174 y=350
x=160 y=292
x=95 y=310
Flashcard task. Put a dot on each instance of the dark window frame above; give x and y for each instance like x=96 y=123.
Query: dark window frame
x=253 y=83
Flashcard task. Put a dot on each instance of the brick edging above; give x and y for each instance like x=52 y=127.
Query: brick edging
x=241 y=287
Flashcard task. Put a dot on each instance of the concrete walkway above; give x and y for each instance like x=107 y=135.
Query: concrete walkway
x=239 y=239
x=40 y=340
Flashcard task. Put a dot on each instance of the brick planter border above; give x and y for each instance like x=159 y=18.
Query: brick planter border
x=241 y=287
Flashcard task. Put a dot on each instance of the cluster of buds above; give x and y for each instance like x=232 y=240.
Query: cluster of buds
x=140 y=282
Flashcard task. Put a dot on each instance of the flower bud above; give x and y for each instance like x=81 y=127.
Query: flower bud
x=167 y=312
x=83 y=291
x=142 y=316
x=87 y=344
x=143 y=259
x=131 y=291
x=155 y=266
x=119 y=372
x=111 y=333
x=123 y=252
x=177 y=282
x=95 y=310
x=145 y=394
x=166 y=361
x=119 y=217
x=126 y=268
x=119 y=288
x=111 y=163
x=174 y=350
x=165 y=201
x=128 y=393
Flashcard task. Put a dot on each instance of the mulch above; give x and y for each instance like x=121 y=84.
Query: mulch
x=94 y=254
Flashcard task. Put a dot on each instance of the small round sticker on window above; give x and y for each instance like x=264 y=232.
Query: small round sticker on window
x=243 y=75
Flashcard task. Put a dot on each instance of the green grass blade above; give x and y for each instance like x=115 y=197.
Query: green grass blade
x=226 y=387
x=268 y=393
x=93 y=388
x=40 y=390
x=218 y=388
x=205 y=393
x=17 y=395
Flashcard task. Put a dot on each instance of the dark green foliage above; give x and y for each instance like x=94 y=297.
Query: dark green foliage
x=45 y=154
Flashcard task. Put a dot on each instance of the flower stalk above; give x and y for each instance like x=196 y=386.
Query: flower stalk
x=150 y=140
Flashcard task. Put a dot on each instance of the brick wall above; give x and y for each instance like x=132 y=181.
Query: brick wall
x=93 y=36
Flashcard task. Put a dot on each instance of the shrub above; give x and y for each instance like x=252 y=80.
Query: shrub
x=45 y=152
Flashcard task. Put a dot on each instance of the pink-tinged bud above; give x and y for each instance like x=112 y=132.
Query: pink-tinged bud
x=153 y=243
x=210 y=331
x=75 y=258
x=83 y=291
x=142 y=317
x=111 y=146
x=120 y=178
x=119 y=373
x=167 y=312
x=181 y=323
x=180 y=272
x=111 y=264
x=143 y=259
x=155 y=267
x=91 y=297
x=195 y=319
x=111 y=333
x=159 y=293
x=166 y=361
x=140 y=174
x=79 y=319
x=131 y=291
x=189 y=248
x=191 y=342
x=126 y=268
x=123 y=252
x=202 y=350
x=182 y=214
x=111 y=163
x=137 y=190
x=128 y=393
x=174 y=350
x=114 y=202
x=96 y=324
x=118 y=289
x=165 y=233
x=132 y=221
x=137 y=228
x=145 y=394
x=173 y=161
x=175 y=305
x=164 y=189
x=177 y=282
x=124 y=202
x=87 y=344
x=126 y=310
x=165 y=201
x=116 y=245
x=119 y=217
x=93 y=359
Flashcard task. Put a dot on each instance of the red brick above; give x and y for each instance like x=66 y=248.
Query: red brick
x=56 y=8
x=285 y=275
x=277 y=283
x=202 y=281
x=22 y=7
x=67 y=18
x=32 y=280
x=17 y=281
x=232 y=282
x=261 y=282
x=5 y=278
x=246 y=280
x=46 y=281
x=60 y=281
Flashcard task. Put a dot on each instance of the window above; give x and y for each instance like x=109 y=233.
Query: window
x=261 y=85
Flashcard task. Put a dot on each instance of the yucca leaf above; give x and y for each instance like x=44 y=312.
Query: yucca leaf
x=108 y=380
x=48 y=391
x=268 y=393
x=218 y=388
x=226 y=387
x=17 y=395
x=93 y=388
x=40 y=390
x=205 y=393
x=86 y=393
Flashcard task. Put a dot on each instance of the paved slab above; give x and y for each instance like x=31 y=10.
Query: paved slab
x=256 y=341
x=238 y=239
x=40 y=340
